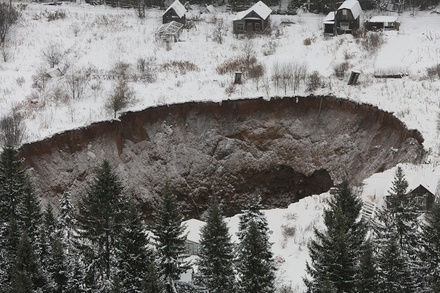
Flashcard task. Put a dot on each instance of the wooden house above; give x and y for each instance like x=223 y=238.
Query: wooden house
x=175 y=12
x=423 y=197
x=379 y=23
x=347 y=17
x=253 y=20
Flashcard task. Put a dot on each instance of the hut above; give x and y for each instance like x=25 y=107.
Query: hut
x=253 y=20
x=347 y=17
x=329 y=24
x=423 y=197
x=379 y=23
x=175 y=12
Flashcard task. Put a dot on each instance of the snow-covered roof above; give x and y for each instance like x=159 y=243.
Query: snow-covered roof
x=330 y=18
x=169 y=29
x=178 y=8
x=259 y=8
x=193 y=227
x=353 y=6
x=383 y=18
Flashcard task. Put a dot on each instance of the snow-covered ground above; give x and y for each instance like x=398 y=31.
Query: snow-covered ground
x=95 y=38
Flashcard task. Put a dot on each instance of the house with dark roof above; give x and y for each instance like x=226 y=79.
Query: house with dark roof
x=253 y=20
x=175 y=12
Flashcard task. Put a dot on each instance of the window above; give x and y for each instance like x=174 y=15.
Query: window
x=258 y=26
x=239 y=27
x=344 y=26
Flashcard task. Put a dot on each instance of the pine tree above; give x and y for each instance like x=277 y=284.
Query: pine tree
x=47 y=237
x=13 y=184
x=169 y=236
x=335 y=252
x=398 y=220
x=133 y=254
x=394 y=273
x=27 y=272
x=255 y=264
x=101 y=219
x=216 y=252
x=430 y=252
x=153 y=282
x=368 y=281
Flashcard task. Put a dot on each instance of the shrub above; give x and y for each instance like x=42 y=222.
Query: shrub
x=230 y=89
x=433 y=71
x=255 y=73
x=8 y=16
x=288 y=231
x=39 y=79
x=55 y=15
x=146 y=68
x=307 y=41
x=340 y=69
x=313 y=81
x=76 y=83
x=120 y=69
x=373 y=41
x=52 y=54
x=237 y=64
x=12 y=129
x=269 y=48
x=181 y=67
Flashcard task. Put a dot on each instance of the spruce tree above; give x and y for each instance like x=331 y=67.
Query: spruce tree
x=170 y=237
x=133 y=254
x=216 y=252
x=255 y=264
x=153 y=282
x=398 y=220
x=368 y=277
x=27 y=275
x=430 y=250
x=101 y=218
x=335 y=251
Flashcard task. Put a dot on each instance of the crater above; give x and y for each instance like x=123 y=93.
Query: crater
x=283 y=149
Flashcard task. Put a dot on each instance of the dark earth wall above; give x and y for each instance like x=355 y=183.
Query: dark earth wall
x=284 y=149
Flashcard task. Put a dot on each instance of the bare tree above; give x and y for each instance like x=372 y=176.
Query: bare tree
x=8 y=16
x=121 y=97
x=53 y=54
x=76 y=84
x=12 y=130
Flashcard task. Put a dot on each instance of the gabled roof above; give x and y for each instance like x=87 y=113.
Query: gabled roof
x=353 y=6
x=383 y=18
x=177 y=7
x=330 y=18
x=261 y=9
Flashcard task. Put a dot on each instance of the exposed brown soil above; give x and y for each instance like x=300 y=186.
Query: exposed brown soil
x=284 y=149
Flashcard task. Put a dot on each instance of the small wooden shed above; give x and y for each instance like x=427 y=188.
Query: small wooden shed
x=175 y=12
x=329 y=24
x=253 y=20
x=382 y=22
x=347 y=17
x=423 y=197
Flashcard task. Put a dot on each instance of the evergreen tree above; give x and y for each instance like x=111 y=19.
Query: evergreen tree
x=368 y=281
x=27 y=271
x=394 y=273
x=216 y=252
x=169 y=236
x=47 y=237
x=133 y=254
x=57 y=267
x=153 y=282
x=101 y=219
x=430 y=252
x=255 y=264
x=398 y=220
x=13 y=184
x=335 y=252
